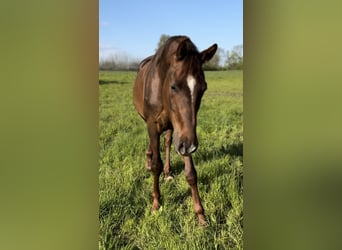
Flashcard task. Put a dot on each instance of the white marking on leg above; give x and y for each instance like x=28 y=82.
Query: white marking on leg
x=191 y=83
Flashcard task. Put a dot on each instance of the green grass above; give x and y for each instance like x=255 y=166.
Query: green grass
x=126 y=220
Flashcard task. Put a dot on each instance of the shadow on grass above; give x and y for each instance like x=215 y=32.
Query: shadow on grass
x=234 y=149
x=112 y=82
x=177 y=166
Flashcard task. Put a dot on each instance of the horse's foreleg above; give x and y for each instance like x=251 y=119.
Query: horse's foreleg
x=148 y=157
x=167 y=143
x=191 y=178
x=156 y=163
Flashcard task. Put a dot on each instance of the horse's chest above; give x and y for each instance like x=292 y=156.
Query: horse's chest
x=163 y=121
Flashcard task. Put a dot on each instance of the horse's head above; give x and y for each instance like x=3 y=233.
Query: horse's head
x=185 y=87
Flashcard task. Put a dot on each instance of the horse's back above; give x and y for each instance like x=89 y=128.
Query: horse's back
x=147 y=94
x=139 y=86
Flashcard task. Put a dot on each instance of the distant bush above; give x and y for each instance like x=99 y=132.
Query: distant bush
x=213 y=67
x=111 y=64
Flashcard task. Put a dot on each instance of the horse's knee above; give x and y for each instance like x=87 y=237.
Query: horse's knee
x=191 y=177
x=156 y=170
x=148 y=160
x=157 y=167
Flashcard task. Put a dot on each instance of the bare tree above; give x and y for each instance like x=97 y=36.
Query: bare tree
x=163 y=38
x=234 y=59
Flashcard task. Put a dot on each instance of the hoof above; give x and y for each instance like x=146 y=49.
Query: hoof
x=202 y=222
x=168 y=178
x=157 y=211
x=155 y=206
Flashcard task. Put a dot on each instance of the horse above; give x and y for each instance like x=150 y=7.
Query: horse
x=167 y=94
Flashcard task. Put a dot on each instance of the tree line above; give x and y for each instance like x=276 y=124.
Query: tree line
x=222 y=60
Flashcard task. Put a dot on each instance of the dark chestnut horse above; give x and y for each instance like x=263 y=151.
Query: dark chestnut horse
x=167 y=94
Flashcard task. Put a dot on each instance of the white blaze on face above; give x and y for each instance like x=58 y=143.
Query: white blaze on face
x=191 y=83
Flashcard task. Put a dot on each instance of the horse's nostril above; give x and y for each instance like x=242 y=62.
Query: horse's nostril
x=192 y=149
x=181 y=149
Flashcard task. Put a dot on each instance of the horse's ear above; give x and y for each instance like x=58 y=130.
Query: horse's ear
x=182 y=49
x=207 y=54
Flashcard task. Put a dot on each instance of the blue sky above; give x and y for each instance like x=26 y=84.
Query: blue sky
x=132 y=28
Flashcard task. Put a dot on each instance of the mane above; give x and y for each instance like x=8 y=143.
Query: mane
x=146 y=60
x=164 y=54
x=171 y=45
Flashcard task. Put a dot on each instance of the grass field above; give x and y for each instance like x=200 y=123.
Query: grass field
x=126 y=220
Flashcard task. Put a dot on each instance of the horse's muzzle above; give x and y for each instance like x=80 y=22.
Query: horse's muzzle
x=185 y=150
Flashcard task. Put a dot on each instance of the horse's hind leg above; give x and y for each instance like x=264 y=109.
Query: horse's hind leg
x=156 y=162
x=167 y=143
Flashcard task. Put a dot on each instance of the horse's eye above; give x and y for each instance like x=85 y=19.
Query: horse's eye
x=173 y=87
